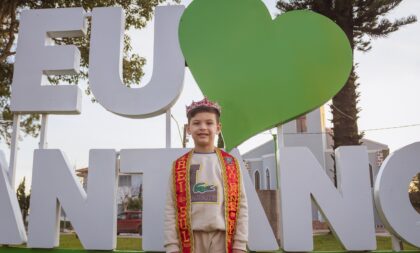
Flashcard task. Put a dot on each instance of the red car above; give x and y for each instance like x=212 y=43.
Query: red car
x=129 y=222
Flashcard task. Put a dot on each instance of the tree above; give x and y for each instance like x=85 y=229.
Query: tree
x=361 y=21
x=220 y=141
x=138 y=13
x=140 y=197
x=414 y=191
x=133 y=204
x=23 y=199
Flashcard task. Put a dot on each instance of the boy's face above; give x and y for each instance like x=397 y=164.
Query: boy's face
x=203 y=128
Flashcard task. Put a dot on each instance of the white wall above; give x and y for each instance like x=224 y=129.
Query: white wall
x=269 y=162
x=314 y=138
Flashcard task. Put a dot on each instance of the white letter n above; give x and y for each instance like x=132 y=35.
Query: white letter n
x=348 y=209
x=12 y=230
x=93 y=215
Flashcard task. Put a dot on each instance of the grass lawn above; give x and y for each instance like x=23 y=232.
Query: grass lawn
x=321 y=242
x=329 y=243
x=71 y=242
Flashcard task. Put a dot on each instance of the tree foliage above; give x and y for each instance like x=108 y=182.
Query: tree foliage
x=362 y=21
x=138 y=13
x=133 y=204
x=23 y=199
x=414 y=191
x=140 y=198
x=220 y=141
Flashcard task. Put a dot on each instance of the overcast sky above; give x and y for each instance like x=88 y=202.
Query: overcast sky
x=390 y=88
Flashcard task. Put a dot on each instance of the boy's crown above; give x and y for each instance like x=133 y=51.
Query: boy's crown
x=204 y=103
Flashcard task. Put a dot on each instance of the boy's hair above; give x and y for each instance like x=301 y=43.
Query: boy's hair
x=196 y=110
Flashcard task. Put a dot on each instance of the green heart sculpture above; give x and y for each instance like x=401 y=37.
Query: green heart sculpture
x=262 y=72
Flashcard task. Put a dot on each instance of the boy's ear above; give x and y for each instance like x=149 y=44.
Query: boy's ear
x=219 y=128
x=188 y=129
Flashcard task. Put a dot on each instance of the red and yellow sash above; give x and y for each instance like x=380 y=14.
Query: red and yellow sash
x=231 y=191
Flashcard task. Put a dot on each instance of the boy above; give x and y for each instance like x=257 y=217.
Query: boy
x=206 y=207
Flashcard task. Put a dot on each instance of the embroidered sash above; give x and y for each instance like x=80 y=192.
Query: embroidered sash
x=231 y=191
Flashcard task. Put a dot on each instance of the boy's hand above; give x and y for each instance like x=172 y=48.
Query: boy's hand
x=238 y=251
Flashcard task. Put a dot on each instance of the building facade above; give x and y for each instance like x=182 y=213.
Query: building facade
x=129 y=186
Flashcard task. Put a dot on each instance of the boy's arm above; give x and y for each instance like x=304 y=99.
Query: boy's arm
x=171 y=242
x=241 y=235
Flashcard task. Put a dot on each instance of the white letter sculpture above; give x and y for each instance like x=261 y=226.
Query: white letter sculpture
x=105 y=60
x=36 y=57
x=348 y=209
x=391 y=193
x=12 y=230
x=93 y=215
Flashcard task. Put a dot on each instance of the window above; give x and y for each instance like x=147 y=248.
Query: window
x=267 y=178
x=301 y=126
x=371 y=175
x=124 y=180
x=122 y=216
x=257 y=180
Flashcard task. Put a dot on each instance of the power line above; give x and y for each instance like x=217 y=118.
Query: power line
x=177 y=124
x=386 y=128
x=365 y=130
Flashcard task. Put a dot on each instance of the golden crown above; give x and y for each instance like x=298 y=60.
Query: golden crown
x=203 y=103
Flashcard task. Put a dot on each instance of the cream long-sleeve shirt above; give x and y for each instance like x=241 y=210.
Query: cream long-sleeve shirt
x=207 y=203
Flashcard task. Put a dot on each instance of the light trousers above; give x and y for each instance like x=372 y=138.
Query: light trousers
x=209 y=242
